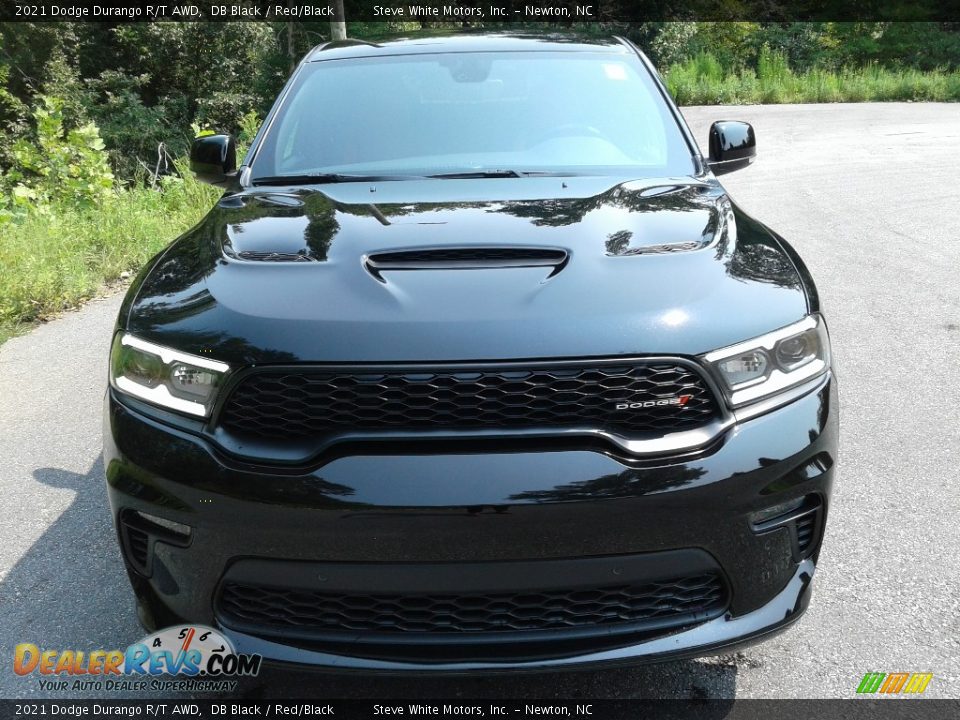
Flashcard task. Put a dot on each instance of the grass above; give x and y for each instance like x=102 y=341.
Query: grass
x=7 y=332
x=54 y=260
x=702 y=81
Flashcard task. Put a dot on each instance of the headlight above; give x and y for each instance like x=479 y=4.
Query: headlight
x=774 y=362
x=165 y=377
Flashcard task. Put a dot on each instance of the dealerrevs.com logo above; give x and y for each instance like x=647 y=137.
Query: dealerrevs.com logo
x=199 y=656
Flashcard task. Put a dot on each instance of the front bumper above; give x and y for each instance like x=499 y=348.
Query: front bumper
x=369 y=513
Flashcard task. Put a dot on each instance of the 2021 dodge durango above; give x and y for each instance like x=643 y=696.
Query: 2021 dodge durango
x=474 y=366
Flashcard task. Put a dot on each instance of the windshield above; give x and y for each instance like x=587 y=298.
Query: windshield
x=450 y=113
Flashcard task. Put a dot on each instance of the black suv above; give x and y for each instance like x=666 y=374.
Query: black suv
x=474 y=366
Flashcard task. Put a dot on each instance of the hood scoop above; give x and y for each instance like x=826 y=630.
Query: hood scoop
x=467 y=258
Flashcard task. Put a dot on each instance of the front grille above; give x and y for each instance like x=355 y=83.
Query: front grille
x=289 y=404
x=657 y=604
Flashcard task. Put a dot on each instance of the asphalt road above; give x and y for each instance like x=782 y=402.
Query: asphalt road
x=870 y=197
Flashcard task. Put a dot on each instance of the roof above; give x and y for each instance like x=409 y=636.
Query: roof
x=453 y=43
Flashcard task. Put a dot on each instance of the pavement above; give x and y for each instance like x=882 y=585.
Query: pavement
x=869 y=196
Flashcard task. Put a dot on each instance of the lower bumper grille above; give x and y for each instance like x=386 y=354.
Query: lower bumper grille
x=666 y=603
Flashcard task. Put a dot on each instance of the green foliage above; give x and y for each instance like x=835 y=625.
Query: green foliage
x=13 y=118
x=774 y=75
x=139 y=137
x=731 y=43
x=225 y=111
x=54 y=260
x=915 y=45
x=213 y=67
x=143 y=84
x=61 y=80
x=806 y=45
x=698 y=82
x=29 y=46
x=58 y=164
x=700 y=79
x=249 y=125
x=671 y=42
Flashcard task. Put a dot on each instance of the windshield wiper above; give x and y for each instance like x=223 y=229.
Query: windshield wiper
x=319 y=178
x=467 y=174
x=477 y=174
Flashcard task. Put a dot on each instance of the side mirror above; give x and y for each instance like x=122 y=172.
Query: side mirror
x=733 y=145
x=213 y=158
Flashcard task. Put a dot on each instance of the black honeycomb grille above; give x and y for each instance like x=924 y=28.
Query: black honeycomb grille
x=664 y=397
x=696 y=597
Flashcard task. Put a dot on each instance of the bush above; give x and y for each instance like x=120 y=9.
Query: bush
x=54 y=260
x=671 y=42
x=58 y=165
x=13 y=118
x=696 y=80
x=138 y=137
x=732 y=44
x=805 y=45
x=65 y=229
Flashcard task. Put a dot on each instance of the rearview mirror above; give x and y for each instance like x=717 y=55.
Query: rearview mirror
x=733 y=145
x=213 y=158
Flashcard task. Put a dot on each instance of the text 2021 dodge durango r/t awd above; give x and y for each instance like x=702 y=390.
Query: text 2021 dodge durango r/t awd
x=474 y=366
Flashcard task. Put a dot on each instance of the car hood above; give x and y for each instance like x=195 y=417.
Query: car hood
x=665 y=266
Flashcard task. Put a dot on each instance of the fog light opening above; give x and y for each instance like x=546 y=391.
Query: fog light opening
x=761 y=517
x=175 y=528
x=140 y=531
x=803 y=519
